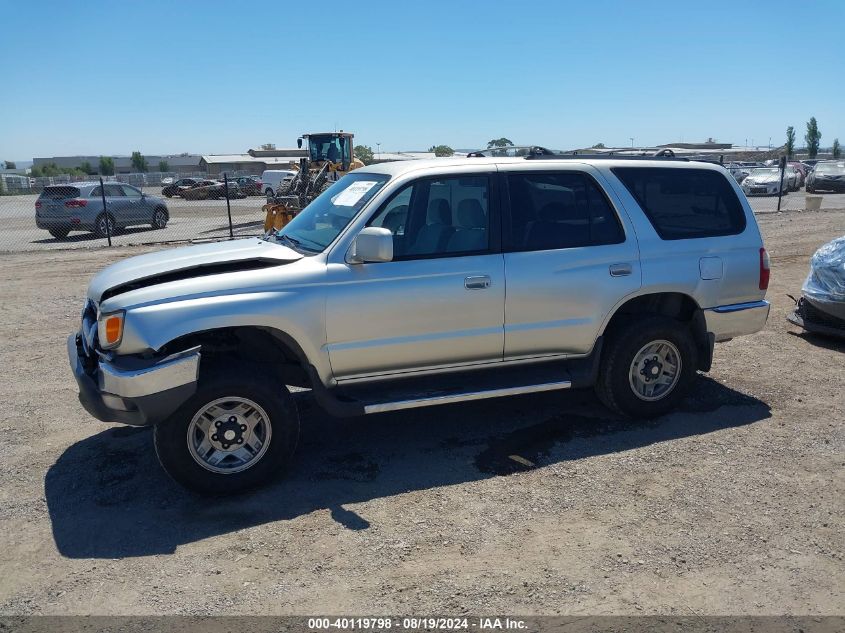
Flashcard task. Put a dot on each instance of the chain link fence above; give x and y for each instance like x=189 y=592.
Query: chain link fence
x=76 y=212
x=67 y=211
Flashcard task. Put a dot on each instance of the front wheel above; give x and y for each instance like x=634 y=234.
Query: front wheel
x=233 y=434
x=647 y=367
x=59 y=234
x=160 y=218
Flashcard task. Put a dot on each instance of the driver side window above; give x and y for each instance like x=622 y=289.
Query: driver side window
x=438 y=217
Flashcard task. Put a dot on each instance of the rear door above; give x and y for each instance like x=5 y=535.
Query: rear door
x=570 y=256
x=117 y=204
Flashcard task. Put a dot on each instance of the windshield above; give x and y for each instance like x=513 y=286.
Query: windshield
x=765 y=172
x=318 y=224
x=330 y=147
x=830 y=168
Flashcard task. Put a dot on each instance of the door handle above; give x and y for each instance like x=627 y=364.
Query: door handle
x=477 y=283
x=620 y=270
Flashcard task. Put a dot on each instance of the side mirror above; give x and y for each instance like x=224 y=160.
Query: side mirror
x=372 y=244
x=299 y=143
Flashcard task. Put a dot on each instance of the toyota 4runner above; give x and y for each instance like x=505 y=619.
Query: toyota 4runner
x=420 y=283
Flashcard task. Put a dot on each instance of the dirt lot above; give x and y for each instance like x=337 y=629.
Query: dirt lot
x=733 y=505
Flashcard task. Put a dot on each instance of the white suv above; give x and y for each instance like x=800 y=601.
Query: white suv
x=419 y=283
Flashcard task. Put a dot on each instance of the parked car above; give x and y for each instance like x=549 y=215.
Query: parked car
x=272 y=178
x=738 y=171
x=765 y=181
x=61 y=209
x=803 y=170
x=403 y=287
x=176 y=188
x=211 y=190
x=250 y=185
x=821 y=306
x=794 y=177
x=827 y=176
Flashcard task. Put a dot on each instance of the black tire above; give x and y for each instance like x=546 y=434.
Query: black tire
x=232 y=380
x=268 y=193
x=59 y=234
x=160 y=218
x=100 y=226
x=810 y=190
x=168 y=194
x=614 y=387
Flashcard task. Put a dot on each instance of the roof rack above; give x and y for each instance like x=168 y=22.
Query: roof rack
x=663 y=154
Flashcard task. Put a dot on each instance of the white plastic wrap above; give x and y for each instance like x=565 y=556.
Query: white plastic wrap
x=826 y=281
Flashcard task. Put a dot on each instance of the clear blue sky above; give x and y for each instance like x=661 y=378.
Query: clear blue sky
x=216 y=77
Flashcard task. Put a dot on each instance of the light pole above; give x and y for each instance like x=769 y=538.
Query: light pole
x=632 y=141
x=378 y=150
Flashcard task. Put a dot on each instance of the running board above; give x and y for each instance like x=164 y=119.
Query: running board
x=451 y=398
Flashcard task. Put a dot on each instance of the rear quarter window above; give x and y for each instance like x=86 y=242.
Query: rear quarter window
x=685 y=203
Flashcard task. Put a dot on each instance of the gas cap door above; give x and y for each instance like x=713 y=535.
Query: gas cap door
x=710 y=267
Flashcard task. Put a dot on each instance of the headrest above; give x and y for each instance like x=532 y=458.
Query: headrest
x=439 y=212
x=471 y=215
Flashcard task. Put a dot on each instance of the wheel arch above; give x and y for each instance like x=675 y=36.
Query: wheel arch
x=676 y=305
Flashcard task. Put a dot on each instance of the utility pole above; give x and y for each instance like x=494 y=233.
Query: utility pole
x=632 y=141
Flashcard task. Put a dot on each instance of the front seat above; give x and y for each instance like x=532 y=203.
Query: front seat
x=472 y=228
x=432 y=237
x=557 y=226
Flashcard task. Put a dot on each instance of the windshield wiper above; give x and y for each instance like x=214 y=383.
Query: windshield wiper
x=295 y=243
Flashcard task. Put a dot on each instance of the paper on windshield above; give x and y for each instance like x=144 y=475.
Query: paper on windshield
x=350 y=196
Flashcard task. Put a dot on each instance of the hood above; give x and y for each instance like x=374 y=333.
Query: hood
x=186 y=262
x=763 y=179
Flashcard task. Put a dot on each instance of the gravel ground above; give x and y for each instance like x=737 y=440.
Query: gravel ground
x=732 y=505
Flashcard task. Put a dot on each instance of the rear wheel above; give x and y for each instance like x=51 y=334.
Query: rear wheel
x=59 y=234
x=234 y=433
x=104 y=225
x=647 y=367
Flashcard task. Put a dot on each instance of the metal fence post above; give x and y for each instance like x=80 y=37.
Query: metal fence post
x=105 y=210
x=780 y=188
x=228 y=206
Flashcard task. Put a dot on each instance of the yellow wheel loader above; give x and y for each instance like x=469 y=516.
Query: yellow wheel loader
x=329 y=158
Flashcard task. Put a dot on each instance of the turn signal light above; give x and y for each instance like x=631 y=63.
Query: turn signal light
x=113 y=329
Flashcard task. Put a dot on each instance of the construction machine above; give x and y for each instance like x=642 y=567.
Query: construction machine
x=328 y=158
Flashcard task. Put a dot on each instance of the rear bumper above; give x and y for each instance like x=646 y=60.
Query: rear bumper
x=138 y=393
x=737 y=319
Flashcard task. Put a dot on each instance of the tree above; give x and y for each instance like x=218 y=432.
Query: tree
x=598 y=146
x=268 y=146
x=10 y=164
x=837 y=151
x=87 y=168
x=51 y=169
x=139 y=162
x=106 y=166
x=163 y=166
x=364 y=153
x=441 y=150
x=813 y=137
x=790 y=141
x=499 y=142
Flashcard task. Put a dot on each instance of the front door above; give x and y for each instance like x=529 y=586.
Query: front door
x=440 y=302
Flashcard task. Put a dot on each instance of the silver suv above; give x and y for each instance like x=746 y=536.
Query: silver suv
x=79 y=207
x=420 y=283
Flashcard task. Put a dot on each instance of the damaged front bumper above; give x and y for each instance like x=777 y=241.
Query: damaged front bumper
x=133 y=391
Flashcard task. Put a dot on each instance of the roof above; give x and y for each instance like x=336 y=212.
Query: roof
x=399 y=168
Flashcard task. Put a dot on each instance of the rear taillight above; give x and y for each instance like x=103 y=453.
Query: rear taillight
x=38 y=204
x=76 y=202
x=764 y=269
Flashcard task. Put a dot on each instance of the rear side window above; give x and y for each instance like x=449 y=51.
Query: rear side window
x=60 y=192
x=552 y=210
x=685 y=203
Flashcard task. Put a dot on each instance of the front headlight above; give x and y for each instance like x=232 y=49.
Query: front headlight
x=110 y=329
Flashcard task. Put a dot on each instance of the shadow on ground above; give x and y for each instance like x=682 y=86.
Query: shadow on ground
x=92 y=237
x=108 y=498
